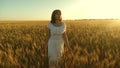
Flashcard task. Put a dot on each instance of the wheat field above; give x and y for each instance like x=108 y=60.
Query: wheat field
x=94 y=43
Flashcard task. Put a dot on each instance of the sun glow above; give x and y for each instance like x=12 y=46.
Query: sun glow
x=96 y=9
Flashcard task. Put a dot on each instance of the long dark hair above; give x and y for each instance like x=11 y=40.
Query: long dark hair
x=53 y=16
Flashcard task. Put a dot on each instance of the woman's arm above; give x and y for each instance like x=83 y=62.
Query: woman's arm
x=47 y=36
x=66 y=40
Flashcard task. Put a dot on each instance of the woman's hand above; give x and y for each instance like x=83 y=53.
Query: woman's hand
x=70 y=50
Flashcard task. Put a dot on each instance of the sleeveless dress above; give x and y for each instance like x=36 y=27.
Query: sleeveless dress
x=56 y=42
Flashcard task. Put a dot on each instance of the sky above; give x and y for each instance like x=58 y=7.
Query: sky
x=71 y=9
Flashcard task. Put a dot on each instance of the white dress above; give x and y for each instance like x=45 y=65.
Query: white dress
x=55 y=42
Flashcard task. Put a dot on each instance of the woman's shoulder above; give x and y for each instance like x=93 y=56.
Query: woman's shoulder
x=49 y=25
x=64 y=24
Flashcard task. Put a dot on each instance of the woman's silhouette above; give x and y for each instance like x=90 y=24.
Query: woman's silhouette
x=56 y=38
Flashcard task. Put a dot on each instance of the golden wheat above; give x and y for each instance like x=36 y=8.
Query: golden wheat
x=94 y=43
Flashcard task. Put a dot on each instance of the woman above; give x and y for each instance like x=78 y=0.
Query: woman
x=56 y=38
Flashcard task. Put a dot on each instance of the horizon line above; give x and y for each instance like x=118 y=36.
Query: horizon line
x=63 y=20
